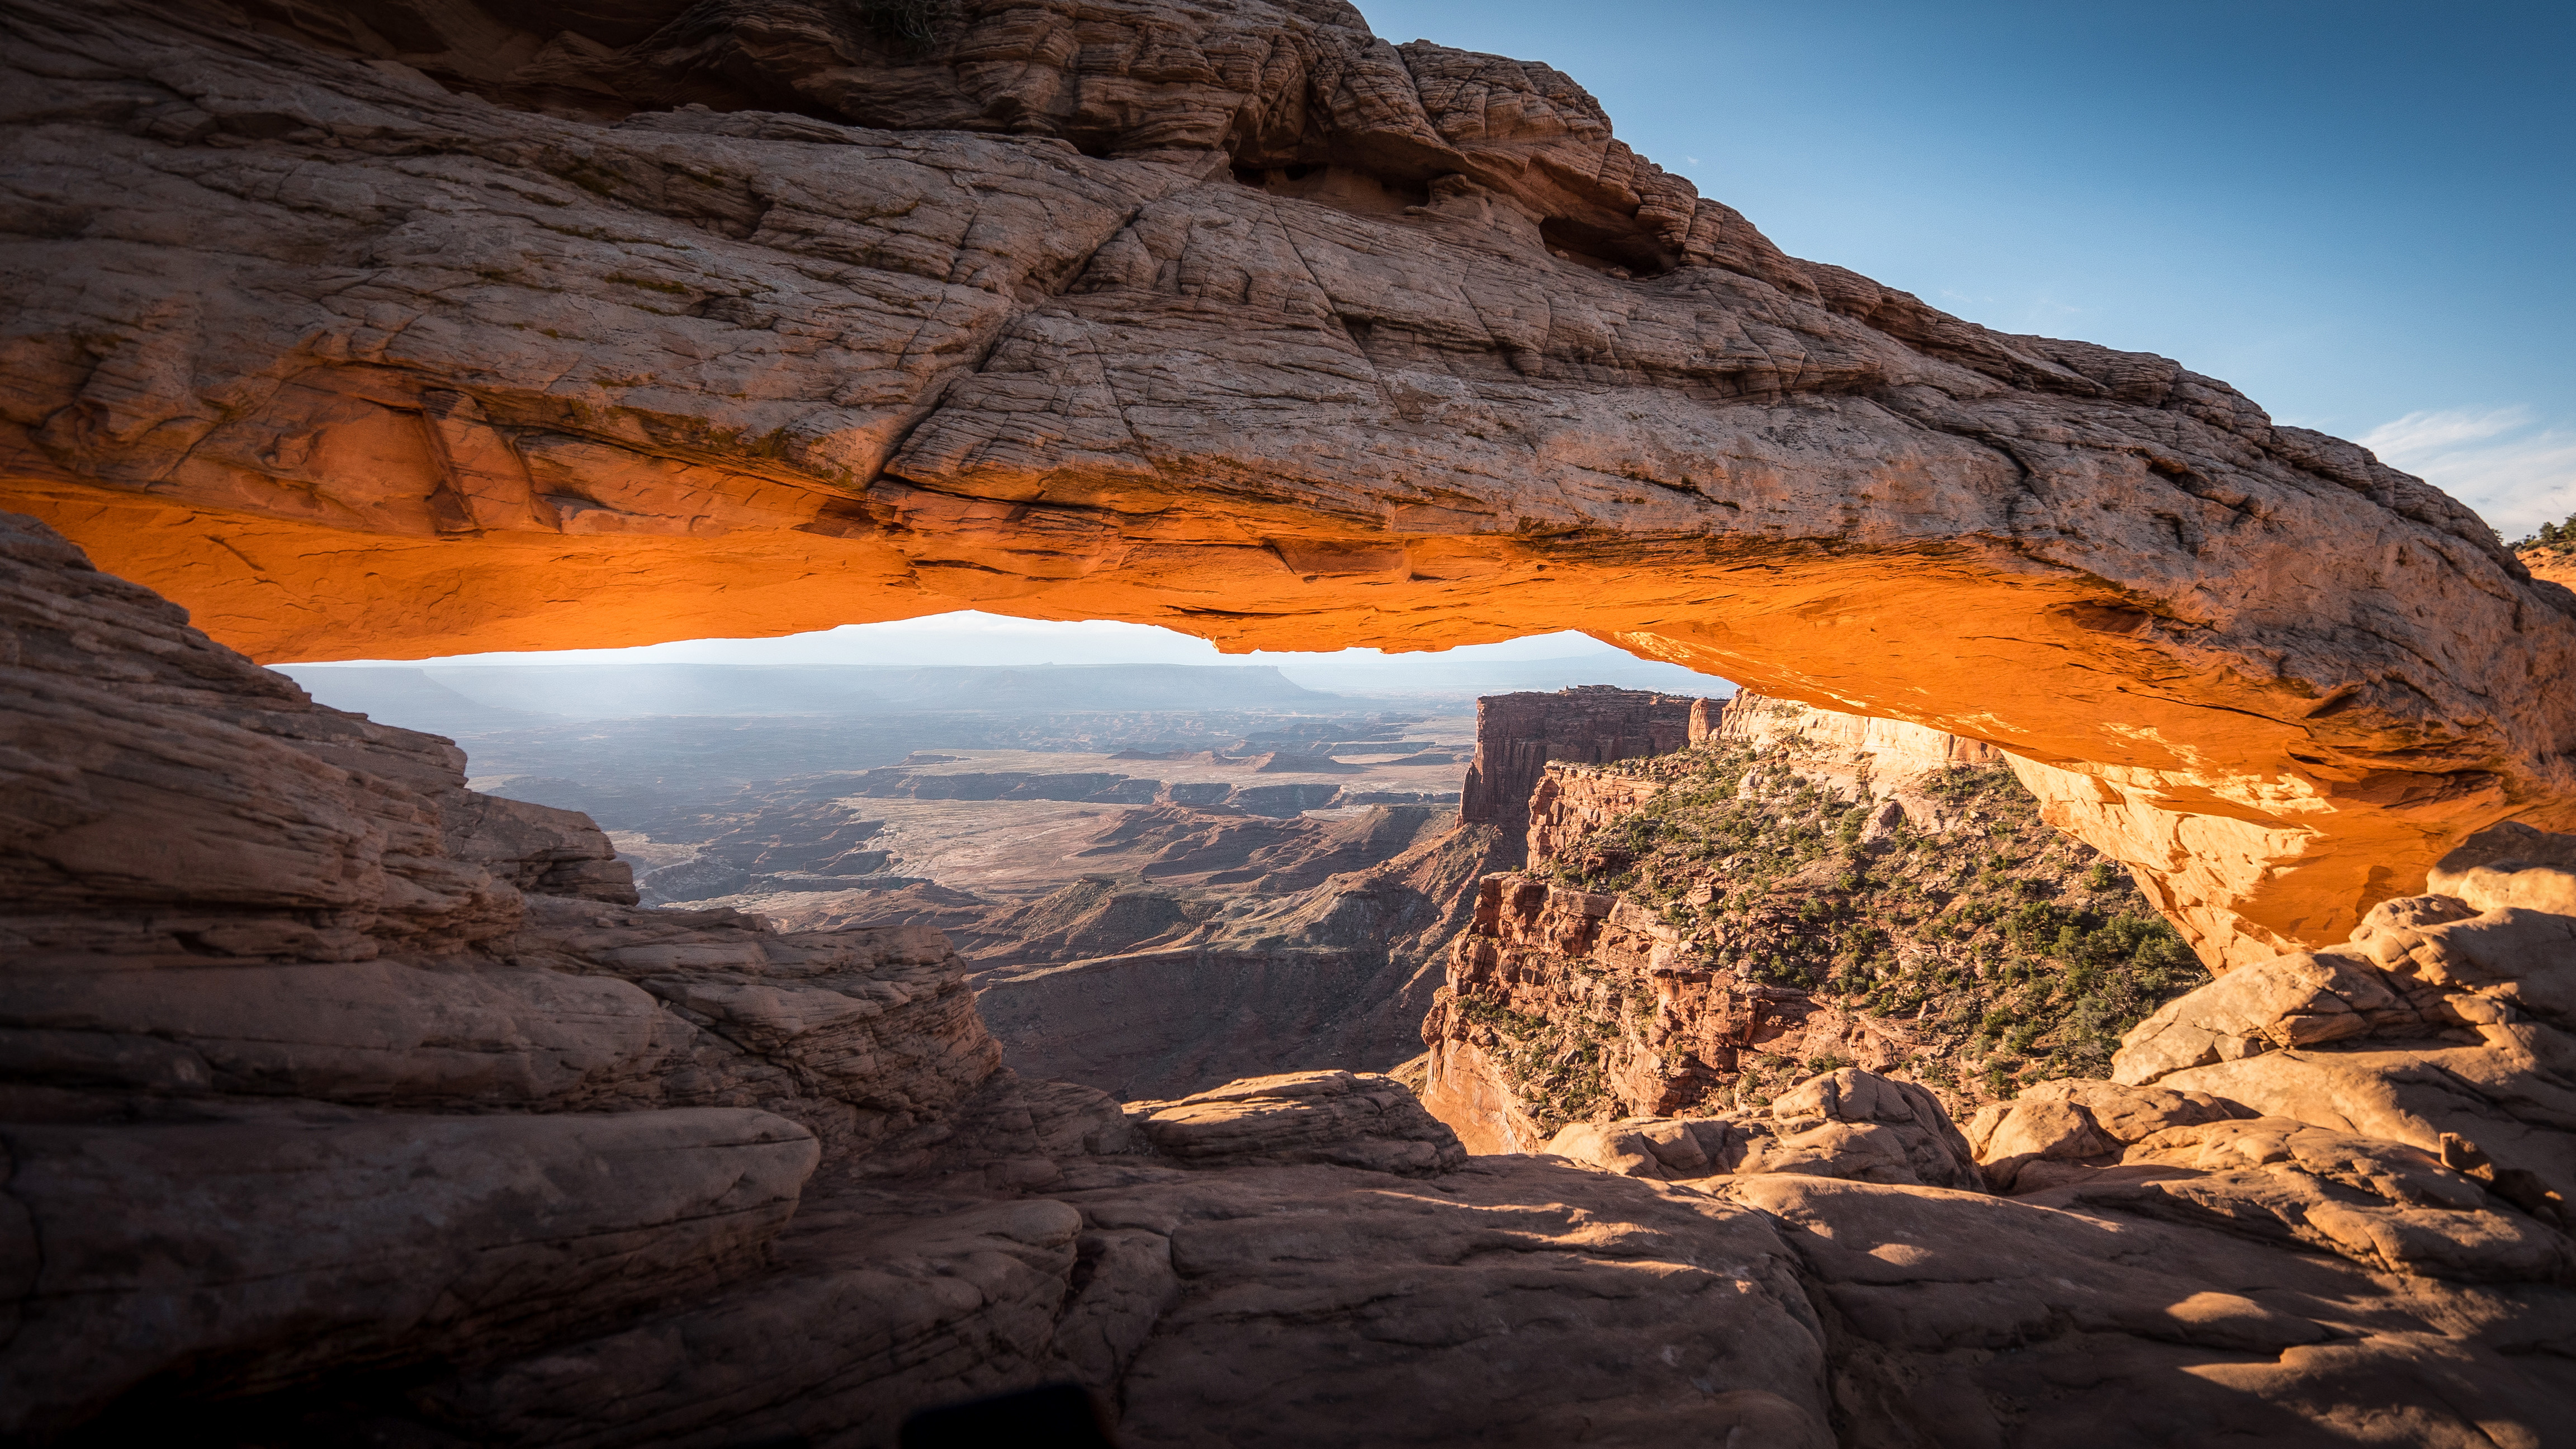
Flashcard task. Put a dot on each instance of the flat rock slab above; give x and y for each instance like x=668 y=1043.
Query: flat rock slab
x=282 y=1242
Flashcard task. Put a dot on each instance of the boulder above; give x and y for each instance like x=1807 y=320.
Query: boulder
x=263 y=1247
x=2383 y=1204
x=1975 y=1320
x=1846 y=1123
x=2506 y=954
x=2442 y=1026
x=2054 y=1132
x=2295 y=1000
x=1355 y=1119
x=2513 y=866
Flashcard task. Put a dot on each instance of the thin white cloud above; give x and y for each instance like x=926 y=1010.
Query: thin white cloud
x=2514 y=472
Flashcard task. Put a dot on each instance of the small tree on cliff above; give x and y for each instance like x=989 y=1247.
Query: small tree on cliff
x=2556 y=537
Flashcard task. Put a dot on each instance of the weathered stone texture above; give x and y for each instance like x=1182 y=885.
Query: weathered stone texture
x=1673 y=1022
x=482 y=329
x=432 y=327
x=1357 y=1120
x=1519 y=735
x=543 y=1169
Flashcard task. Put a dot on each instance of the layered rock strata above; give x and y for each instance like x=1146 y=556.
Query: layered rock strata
x=1519 y=735
x=603 y=1175
x=1801 y=890
x=311 y=1057
x=2399 y=1100
x=1338 y=974
x=491 y=328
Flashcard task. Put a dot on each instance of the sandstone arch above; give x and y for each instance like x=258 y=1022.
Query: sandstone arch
x=1240 y=321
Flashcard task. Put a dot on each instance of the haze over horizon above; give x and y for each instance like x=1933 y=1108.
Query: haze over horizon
x=971 y=637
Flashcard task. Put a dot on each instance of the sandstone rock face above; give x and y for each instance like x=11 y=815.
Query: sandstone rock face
x=1846 y=1123
x=2398 y=1101
x=1800 y=891
x=1548 y=953
x=2079 y=1122
x=2551 y=565
x=490 y=328
x=267 y=1245
x=1519 y=735
x=1891 y=748
x=521 y=1170
x=2440 y=1025
x=1337 y=975
x=1363 y=1120
x=285 y=1002
x=1967 y=1319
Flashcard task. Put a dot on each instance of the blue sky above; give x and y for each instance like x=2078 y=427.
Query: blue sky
x=2359 y=214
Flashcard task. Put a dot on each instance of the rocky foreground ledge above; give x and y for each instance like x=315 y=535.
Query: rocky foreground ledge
x=344 y=1104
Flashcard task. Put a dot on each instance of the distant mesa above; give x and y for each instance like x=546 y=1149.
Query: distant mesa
x=1279 y=762
x=1519 y=735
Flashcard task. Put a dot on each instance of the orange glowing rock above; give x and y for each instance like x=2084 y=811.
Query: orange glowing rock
x=1345 y=349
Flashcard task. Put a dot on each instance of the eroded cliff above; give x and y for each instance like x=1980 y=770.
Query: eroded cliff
x=399 y=330
x=1519 y=735
x=342 y=1104
x=1799 y=891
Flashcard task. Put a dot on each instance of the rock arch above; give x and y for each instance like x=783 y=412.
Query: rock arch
x=750 y=319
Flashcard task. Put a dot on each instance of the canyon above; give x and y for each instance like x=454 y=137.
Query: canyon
x=343 y=1103
x=2111 y=978
x=1278 y=904
x=1238 y=319
x=1182 y=876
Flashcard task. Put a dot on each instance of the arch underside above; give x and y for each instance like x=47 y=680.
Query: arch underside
x=364 y=367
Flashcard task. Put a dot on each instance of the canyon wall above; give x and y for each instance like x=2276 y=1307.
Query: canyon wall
x=342 y=1104
x=2555 y=565
x=487 y=329
x=1338 y=973
x=1801 y=890
x=1519 y=735
x=1860 y=744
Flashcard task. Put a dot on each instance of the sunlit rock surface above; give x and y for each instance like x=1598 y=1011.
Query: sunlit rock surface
x=482 y=1153
x=1800 y=890
x=506 y=328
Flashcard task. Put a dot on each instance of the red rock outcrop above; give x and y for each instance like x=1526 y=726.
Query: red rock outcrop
x=483 y=328
x=1817 y=889
x=2380 y=1100
x=1519 y=735
x=314 y=1057
x=512 y=1166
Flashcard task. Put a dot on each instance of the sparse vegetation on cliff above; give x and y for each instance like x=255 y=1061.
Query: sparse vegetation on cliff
x=912 y=25
x=2013 y=953
x=2555 y=539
